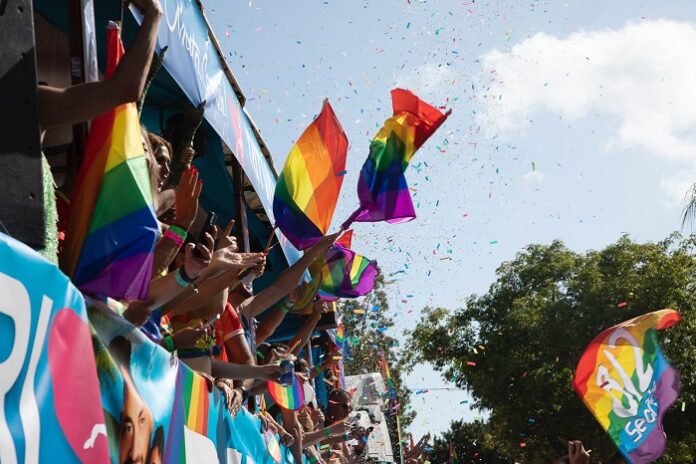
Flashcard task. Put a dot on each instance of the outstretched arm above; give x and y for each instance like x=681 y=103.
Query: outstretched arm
x=255 y=305
x=302 y=336
x=79 y=103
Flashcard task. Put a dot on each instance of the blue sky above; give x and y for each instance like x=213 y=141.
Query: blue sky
x=571 y=120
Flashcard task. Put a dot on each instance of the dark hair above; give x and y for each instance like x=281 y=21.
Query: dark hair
x=120 y=350
x=157 y=442
x=301 y=365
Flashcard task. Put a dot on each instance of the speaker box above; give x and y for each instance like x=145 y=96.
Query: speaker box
x=21 y=193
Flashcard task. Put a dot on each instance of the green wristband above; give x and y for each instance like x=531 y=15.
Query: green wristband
x=178 y=231
x=327 y=432
x=169 y=343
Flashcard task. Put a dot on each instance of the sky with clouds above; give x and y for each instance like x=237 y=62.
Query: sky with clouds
x=571 y=120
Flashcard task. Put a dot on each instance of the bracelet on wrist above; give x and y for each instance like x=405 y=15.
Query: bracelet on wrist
x=286 y=305
x=169 y=343
x=176 y=238
x=180 y=279
x=185 y=276
x=178 y=230
x=327 y=432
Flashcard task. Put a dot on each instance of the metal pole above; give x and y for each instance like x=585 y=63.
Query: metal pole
x=401 y=441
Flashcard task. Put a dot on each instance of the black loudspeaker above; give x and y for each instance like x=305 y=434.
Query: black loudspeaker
x=21 y=191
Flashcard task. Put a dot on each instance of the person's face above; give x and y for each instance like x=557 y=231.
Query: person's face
x=163 y=159
x=136 y=425
x=339 y=408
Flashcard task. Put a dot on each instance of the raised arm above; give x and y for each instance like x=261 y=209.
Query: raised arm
x=79 y=103
x=302 y=336
x=255 y=305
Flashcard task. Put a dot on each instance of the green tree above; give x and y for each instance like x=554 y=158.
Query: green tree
x=366 y=322
x=516 y=347
x=466 y=443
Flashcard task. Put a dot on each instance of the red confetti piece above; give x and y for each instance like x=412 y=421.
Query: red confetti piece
x=471 y=363
x=622 y=304
x=523 y=445
x=606 y=382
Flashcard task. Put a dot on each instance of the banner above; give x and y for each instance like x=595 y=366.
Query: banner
x=109 y=394
x=50 y=409
x=627 y=383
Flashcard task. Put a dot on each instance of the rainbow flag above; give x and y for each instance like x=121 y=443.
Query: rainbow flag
x=307 y=190
x=627 y=383
x=340 y=335
x=287 y=397
x=344 y=273
x=112 y=227
x=382 y=187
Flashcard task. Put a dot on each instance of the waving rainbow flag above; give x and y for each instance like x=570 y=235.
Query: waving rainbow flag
x=307 y=190
x=382 y=187
x=626 y=382
x=344 y=273
x=112 y=227
x=291 y=397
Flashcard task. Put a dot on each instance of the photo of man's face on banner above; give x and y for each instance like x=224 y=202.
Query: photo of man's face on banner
x=137 y=385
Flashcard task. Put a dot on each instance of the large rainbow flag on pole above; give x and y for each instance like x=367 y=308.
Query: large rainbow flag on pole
x=344 y=273
x=307 y=190
x=382 y=187
x=112 y=227
x=627 y=383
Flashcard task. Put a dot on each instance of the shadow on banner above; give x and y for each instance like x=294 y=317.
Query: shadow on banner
x=109 y=396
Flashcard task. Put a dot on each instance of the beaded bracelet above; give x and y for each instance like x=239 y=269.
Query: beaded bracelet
x=179 y=278
x=327 y=432
x=169 y=343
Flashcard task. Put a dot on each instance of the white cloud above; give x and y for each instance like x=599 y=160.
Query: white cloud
x=640 y=78
x=533 y=177
x=428 y=77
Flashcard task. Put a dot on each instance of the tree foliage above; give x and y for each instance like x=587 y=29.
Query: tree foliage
x=466 y=443
x=527 y=333
x=367 y=338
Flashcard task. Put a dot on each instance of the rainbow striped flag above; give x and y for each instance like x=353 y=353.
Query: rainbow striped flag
x=340 y=335
x=307 y=190
x=627 y=383
x=291 y=398
x=112 y=227
x=344 y=273
x=382 y=187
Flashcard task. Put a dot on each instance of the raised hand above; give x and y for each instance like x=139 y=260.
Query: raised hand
x=226 y=260
x=324 y=244
x=227 y=240
x=187 y=194
x=194 y=263
x=320 y=307
x=577 y=453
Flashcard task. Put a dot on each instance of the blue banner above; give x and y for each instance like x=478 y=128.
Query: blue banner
x=50 y=409
x=81 y=385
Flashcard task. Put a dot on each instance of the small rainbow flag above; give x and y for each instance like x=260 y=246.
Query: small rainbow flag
x=287 y=397
x=112 y=227
x=340 y=335
x=627 y=383
x=291 y=398
x=307 y=190
x=344 y=273
x=382 y=187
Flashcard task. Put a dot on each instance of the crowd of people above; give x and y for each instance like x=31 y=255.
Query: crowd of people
x=201 y=303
